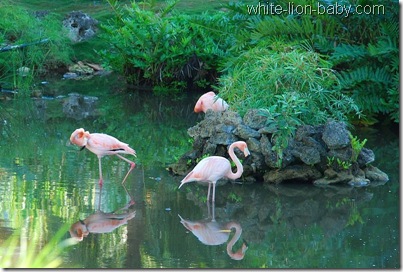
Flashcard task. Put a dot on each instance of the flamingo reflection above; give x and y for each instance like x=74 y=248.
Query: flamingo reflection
x=212 y=233
x=101 y=222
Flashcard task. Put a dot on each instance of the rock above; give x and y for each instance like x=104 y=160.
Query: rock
x=336 y=135
x=292 y=173
x=341 y=177
x=308 y=155
x=23 y=71
x=254 y=119
x=253 y=145
x=319 y=154
x=246 y=132
x=343 y=154
x=80 y=107
x=365 y=157
x=374 y=174
x=80 y=26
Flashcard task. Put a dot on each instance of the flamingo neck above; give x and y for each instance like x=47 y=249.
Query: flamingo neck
x=239 y=167
x=238 y=231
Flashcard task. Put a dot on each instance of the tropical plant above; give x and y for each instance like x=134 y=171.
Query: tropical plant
x=356 y=146
x=163 y=49
x=29 y=42
x=362 y=48
x=292 y=86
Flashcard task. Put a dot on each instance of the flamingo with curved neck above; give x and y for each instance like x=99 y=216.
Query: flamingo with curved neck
x=213 y=233
x=213 y=168
x=241 y=252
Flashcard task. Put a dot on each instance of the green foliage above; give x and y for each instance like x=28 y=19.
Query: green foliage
x=20 y=27
x=338 y=164
x=23 y=253
x=234 y=197
x=292 y=87
x=164 y=49
x=345 y=165
x=368 y=61
x=362 y=48
x=357 y=146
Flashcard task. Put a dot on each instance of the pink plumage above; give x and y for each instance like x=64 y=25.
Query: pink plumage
x=101 y=145
x=213 y=168
x=210 y=101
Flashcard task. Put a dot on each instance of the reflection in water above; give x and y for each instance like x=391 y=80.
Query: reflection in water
x=212 y=233
x=101 y=222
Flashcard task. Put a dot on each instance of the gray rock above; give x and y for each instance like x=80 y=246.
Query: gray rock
x=80 y=26
x=254 y=119
x=374 y=174
x=253 y=145
x=336 y=135
x=292 y=172
x=80 y=107
x=245 y=132
x=365 y=157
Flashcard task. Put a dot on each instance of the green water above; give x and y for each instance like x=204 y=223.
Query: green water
x=46 y=183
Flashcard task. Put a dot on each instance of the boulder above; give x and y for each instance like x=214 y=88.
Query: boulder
x=80 y=26
x=318 y=154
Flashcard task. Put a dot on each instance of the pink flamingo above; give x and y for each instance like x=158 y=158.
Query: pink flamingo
x=213 y=168
x=101 y=145
x=212 y=233
x=210 y=101
x=99 y=222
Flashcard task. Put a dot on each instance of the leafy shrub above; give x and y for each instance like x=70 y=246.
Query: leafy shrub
x=165 y=50
x=292 y=87
x=20 y=27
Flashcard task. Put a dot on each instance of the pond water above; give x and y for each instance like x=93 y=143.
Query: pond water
x=47 y=185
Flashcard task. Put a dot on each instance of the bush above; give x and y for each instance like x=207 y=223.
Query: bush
x=292 y=87
x=164 y=50
x=20 y=27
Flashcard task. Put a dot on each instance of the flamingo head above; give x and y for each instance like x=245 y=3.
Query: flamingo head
x=78 y=230
x=243 y=147
x=79 y=137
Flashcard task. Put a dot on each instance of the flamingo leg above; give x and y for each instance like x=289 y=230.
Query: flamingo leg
x=100 y=172
x=132 y=165
x=208 y=193
x=131 y=199
x=213 y=200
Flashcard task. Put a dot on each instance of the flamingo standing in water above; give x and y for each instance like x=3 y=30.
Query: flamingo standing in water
x=213 y=168
x=102 y=144
x=210 y=101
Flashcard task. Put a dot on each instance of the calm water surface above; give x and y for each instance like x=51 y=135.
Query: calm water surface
x=47 y=184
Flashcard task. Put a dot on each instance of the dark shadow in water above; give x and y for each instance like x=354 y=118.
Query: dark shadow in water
x=101 y=222
x=213 y=233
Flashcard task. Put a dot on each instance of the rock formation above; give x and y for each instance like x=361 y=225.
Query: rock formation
x=318 y=154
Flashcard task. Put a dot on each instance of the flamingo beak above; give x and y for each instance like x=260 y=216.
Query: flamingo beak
x=246 y=152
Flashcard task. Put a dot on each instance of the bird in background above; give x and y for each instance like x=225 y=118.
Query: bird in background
x=101 y=145
x=210 y=101
x=213 y=168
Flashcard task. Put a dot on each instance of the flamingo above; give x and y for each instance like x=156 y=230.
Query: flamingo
x=99 y=222
x=212 y=233
x=102 y=144
x=210 y=101
x=213 y=168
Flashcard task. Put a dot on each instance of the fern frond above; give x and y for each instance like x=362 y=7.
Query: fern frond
x=347 y=52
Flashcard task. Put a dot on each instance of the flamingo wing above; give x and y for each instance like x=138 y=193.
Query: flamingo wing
x=209 y=169
x=103 y=144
